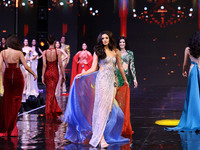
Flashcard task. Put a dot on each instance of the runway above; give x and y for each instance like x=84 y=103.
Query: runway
x=148 y=104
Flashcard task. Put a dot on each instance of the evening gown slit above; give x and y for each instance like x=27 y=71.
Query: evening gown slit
x=52 y=109
x=91 y=110
x=13 y=82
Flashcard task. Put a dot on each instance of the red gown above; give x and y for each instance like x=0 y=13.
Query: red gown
x=13 y=89
x=78 y=63
x=51 y=76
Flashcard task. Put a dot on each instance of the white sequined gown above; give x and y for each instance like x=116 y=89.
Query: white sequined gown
x=104 y=96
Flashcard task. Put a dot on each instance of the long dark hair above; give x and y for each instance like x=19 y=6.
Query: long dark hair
x=194 y=44
x=13 y=42
x=126 y=42
x=99 y=47
x=51 y=39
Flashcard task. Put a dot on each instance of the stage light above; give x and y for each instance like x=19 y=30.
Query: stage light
x=6 y=5
x=8 y=2
x=147 y=16
x=134 y=10
x=83 y=4
x=134 y=15
x=96 y=11
x=70 y=1
x=162 y=7
x=190 y=14
x=42 y=43
x=23 y=4
x=93 y=14
x=163 y=58
x=178 y=16
x=31 y=2
x=191 y=9
x=90 y=8
x=145 y=8
x=179 y=8
x=61 y=3
x=4 y=31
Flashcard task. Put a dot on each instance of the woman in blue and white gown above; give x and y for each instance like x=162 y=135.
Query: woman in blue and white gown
x=92 y=113
x=190 y=119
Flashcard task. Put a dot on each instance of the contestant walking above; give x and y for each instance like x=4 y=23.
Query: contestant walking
x=107 y=117
x=13 y=86
x=190 y=118
x=124 y=99
x=50 y=77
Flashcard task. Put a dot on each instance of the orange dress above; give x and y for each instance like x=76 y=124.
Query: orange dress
x=123 y=98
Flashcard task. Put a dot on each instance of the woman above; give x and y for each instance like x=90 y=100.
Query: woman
x=27 y=50
x=60 y=87
x=32 y=86
x=124 y=103
x=82 y=61
x=127 y=60
x=50 y=77
x=107 y=117
x=190 y=117
x=13 y=86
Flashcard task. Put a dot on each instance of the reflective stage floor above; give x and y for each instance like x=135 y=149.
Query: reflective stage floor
x=147 y=106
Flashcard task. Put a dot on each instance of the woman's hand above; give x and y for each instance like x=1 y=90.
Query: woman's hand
x=35 y=77
x=135 y=83
x=63 y=80
x=43 y=81
x=184 y=74
x=126 y=82
x=78 y=76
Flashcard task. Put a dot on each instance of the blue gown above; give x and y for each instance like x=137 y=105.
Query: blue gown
x=190 y=119
x=79 y=110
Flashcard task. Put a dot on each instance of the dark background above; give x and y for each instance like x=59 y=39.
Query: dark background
x=149 y=42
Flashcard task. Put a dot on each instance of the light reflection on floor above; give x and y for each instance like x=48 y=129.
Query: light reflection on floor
x=147 y=106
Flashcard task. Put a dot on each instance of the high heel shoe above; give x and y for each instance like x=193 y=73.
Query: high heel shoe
x=104 y=145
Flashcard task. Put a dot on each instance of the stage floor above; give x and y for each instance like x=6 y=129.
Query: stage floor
x=148 y=105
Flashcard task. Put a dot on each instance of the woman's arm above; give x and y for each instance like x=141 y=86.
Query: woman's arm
x=64 y=53
x=44 y=66
x=40 y=53
x=93 y=68
x=186 y=56
x=61 y=66
x=26 y=66
x=119 y=64
x=1 y=62
x=132 y=68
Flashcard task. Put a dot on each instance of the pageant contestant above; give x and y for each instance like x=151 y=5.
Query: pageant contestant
x=63 y=53
x=94 y=115
x=26 y=49
x=32 y=87
x=66 y=48
x=82 y=61
x=124 y=103
x=127 y=60
x=50 y=77
x=13 y=86
x=190 y=118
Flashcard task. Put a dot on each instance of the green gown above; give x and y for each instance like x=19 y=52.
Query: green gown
x=129 y=60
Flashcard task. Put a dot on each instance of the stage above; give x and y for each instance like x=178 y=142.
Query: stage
x=148 y=104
